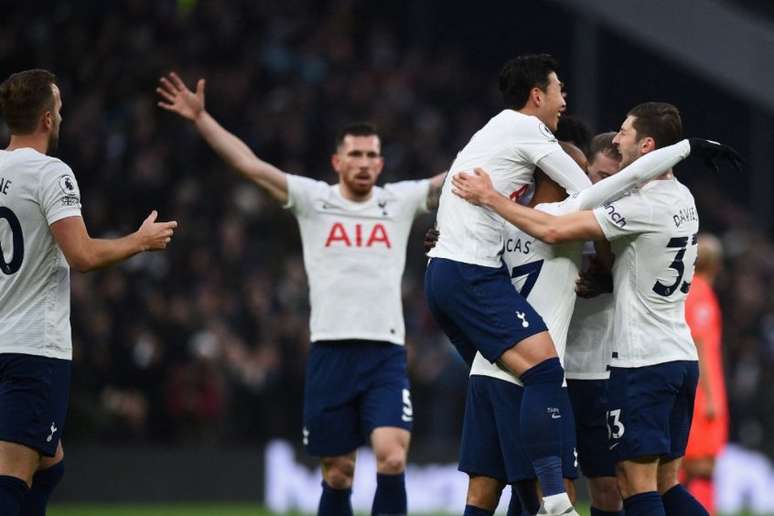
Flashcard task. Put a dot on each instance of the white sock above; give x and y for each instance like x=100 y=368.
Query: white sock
x=556 y=504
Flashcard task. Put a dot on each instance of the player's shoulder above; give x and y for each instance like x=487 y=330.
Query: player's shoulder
x=34 y=160
x=401 y=188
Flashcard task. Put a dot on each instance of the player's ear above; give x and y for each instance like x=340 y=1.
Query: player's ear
x=380 y=166
x=336 y=162
x=647 y=144
x=47 y=120
x=536 y=94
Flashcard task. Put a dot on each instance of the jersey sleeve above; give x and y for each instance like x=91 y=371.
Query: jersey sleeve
x=413 y=195
x=559 y=166
x=628 y=216
x=59 y=195
x=302 y=193
x=641 y=171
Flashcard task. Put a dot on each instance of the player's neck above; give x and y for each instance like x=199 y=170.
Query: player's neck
x=349 y=195
x=666 y=175
x=33 y=141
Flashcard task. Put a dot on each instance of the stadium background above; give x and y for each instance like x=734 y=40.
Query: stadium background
x=188 y=362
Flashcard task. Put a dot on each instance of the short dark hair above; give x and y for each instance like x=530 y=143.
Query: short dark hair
x=603 y=143
x=658 y=120
x=519 y=75
x=575 y=131
x=356 y=129
x=24 y=96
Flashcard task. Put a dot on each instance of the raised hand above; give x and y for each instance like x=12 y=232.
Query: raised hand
x=178 y=98
x=712 y=152
x=154 y=236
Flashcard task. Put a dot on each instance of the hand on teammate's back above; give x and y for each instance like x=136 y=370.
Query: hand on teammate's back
x=179 y=99
x=712 y=152
x=431 y=238
x=154 y=236
x=476 y=188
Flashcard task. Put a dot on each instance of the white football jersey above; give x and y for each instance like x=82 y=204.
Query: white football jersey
x=35 y=191
x=653 y=233
x=508 y=147
x=354 y=255
x=545 y=275
x=590 y=335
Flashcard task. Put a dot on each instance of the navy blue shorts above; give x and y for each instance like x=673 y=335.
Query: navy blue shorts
x=650 y=409
x=34 y=392
x=478 y=308
x=353 y=387
x=589 y=404
x=491 y=434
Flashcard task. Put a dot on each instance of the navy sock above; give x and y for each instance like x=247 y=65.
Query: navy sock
x=43 y=484
x=514 y=506
x=525 y=494
x=390 y=497
x=12 y=491
x=644 y=504
x=334 y=502
x=679 y=501
x=476 y=511
x=600 y=512
x=541 y=422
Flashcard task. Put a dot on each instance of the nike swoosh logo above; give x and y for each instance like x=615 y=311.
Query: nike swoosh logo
x=613 y=446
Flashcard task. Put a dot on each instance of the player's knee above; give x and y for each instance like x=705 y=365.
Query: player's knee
x=484 y=492
x=338 y=472
x=391 y=462
x=605 y=494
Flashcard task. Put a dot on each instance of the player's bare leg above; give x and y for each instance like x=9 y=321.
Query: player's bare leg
x=528 y=353
x=17 y=466
x=638 y=484
x=604 y=494
x=338 y=472
x=49 y=474
x=17 y=460
x=676 y=499
x=483 y=493
x=390 y=445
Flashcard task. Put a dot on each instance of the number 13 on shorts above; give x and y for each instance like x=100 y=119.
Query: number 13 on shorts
x=615 y=429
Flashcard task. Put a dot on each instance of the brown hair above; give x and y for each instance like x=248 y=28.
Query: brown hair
x=658 y=120
x=356 y=129
x=603 y=143
x=24 y=96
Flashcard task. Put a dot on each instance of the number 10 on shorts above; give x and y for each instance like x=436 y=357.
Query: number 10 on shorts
x=615 y=429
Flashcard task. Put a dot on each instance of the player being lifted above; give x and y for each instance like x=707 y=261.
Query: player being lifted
x=42 y=235
x=469 y=290
x=354 y=237
x=653 y=361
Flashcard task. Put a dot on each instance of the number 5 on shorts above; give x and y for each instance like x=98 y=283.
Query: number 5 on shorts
x=408 y=411
x=615 y=429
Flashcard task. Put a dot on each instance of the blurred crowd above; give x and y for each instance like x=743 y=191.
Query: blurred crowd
x=206 y=342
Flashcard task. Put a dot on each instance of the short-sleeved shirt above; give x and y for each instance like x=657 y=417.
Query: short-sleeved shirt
x=35 y=191
x=354 y=255
x=545 y=275
x=590 y=335
x=653 y=232
x=508 y=148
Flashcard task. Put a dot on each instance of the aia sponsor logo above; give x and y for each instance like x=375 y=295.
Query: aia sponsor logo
x=361 y=235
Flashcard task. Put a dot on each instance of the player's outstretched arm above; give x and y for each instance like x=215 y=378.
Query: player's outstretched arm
x=85 y=254
x=477 y=188
x=434 y=193
x=177 y=98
